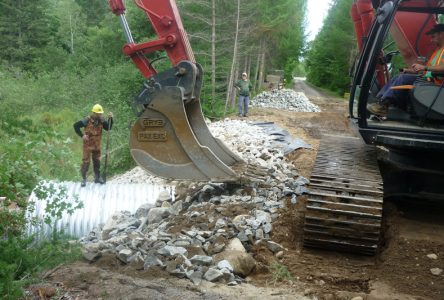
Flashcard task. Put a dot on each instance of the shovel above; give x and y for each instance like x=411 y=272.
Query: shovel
x=107 y=150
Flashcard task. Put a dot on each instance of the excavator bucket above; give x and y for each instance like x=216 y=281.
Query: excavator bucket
x=163 y=141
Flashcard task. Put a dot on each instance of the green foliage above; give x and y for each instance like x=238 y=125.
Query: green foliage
x=280 y=272
x=57 y=202
x=328 y=60
x=288 y=71
x=21 y=259
x=25 y=27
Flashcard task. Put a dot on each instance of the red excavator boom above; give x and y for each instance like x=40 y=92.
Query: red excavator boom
x=170 y=138
x=167 y=23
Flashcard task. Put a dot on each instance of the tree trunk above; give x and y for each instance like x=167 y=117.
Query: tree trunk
x=256 y=71
x=231 y=78
x=213 y=53
x=262 y=64
x=248 y=70
x=236 y=75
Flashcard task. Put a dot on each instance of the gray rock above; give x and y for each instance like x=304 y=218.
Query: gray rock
x=213 y=275
x=91 y=256
x=208 y=189
x=137 y=259
x=166 y=204
x=432 y=256
x=196 y=277
x=113 y=221
x=202 y=260
x=436 y=271
x=142 y=211
x=267 y=227
x=301 y=180
x=225 y=264
x=259 y=234
x=218 y=247
x=190 y=233
x=124 y=255
x=172 y=251
x=294 y=199
x=164 y=196
x=242 y=236
x=177 y=207
x=287 y=192
x=274 y=247
x=216 y=200
x=220 y=223
x=205 y=234
x=182 y=243
x=157 y=214
x=301 y=190
x=242 y=262
x=239 y=221
x=235 y=245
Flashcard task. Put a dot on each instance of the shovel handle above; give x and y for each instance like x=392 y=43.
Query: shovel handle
x=107 y=149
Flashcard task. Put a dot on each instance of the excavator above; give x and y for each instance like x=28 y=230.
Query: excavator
x=170 y=138
x=402 y=153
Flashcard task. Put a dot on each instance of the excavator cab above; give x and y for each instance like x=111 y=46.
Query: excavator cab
x=411 y=134
x=170 y=138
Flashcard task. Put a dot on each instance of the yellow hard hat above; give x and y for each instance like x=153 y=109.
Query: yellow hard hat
x=97 y=109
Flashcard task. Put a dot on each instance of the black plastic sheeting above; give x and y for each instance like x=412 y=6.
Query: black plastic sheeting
x=282 y=138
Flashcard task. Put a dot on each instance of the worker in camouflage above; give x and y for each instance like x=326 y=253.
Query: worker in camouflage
x=92 y=138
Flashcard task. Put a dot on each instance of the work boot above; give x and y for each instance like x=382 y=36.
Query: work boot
x=245 y=115
x=84 y=171
x=379 y=109
x=97 y=178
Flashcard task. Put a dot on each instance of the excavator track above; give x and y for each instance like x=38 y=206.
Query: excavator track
x=344 y=206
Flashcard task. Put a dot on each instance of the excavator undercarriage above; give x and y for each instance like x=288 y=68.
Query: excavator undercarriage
x=344 y=207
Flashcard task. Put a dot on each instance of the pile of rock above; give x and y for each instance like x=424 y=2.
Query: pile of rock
x=199 y=237
x=284 y=99
x=206 y=233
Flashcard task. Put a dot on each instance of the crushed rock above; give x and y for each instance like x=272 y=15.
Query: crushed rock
x=284 y=99
x=191 y=234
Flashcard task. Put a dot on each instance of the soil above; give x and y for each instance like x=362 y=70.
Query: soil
x=400 y=271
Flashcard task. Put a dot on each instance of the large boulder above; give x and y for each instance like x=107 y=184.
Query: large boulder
x=143 y=210
x=235 y=253
x=157 y=214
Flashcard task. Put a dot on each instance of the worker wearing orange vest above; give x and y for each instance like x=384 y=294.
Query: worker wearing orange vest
x=388 y=96
x=92 y=138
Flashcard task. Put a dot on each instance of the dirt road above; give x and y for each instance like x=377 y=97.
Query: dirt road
x=401 y=271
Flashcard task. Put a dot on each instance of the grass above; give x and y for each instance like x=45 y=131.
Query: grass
x=280 y=273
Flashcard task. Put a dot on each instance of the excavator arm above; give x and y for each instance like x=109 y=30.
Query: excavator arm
x=170 y=138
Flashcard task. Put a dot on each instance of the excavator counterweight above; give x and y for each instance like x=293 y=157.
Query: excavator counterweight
x=170 y=138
